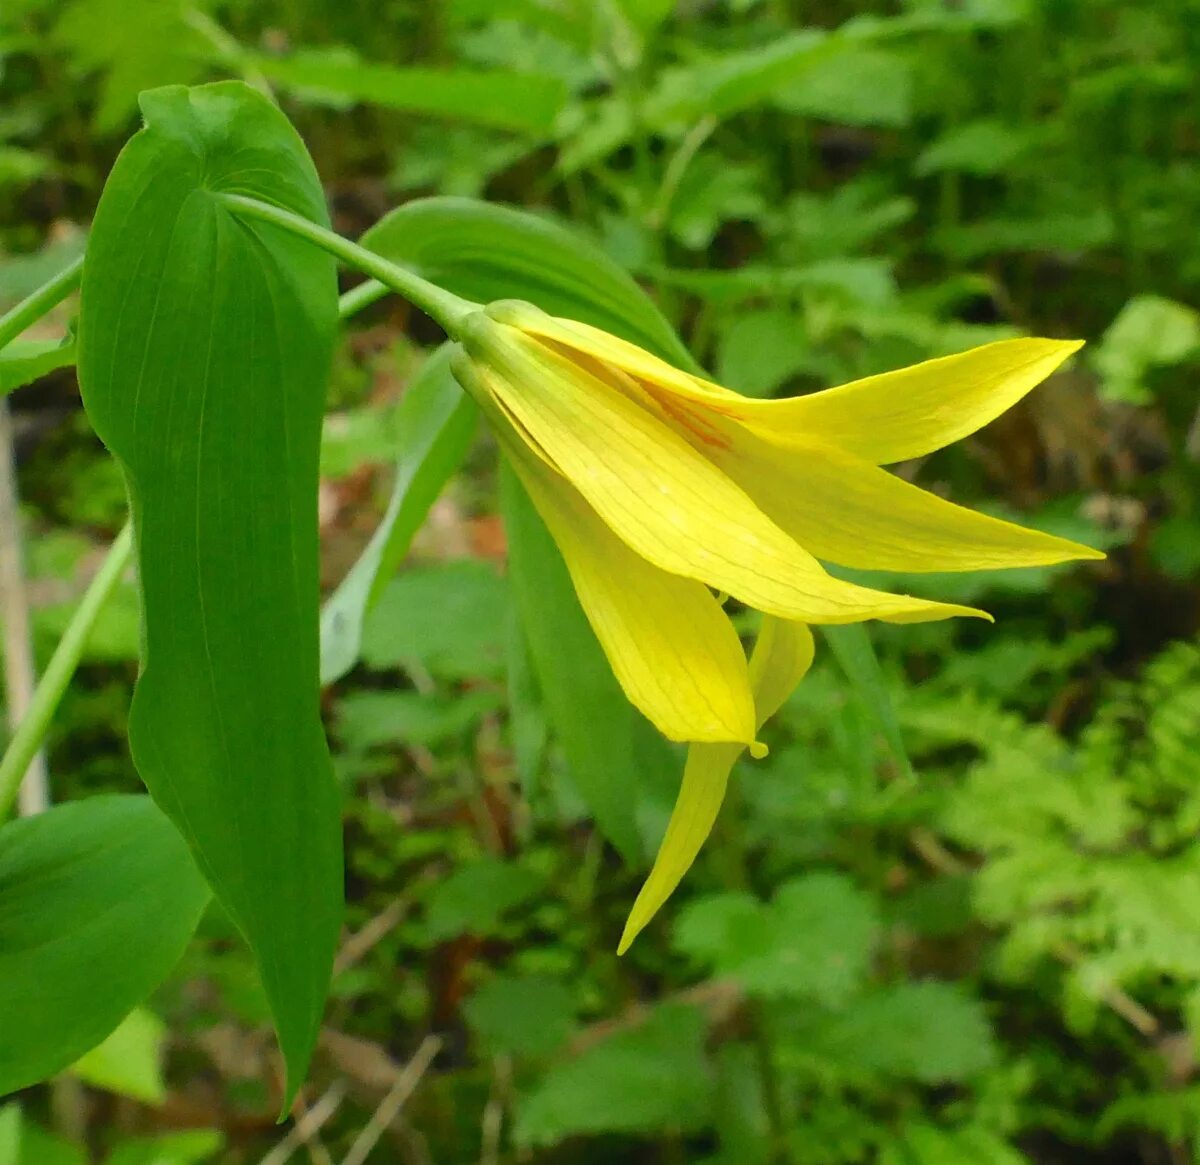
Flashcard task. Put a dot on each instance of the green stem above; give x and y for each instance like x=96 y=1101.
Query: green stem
x=443 y=306
x=30 y=732
x=32 y=308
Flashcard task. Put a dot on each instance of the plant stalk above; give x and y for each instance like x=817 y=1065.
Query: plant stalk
x=442 y=306
x=30 y=733
x=33 y=307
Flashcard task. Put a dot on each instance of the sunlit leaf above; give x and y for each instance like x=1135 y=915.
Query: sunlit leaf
x=97 y=901
x=128 y=1061
x=205 y=344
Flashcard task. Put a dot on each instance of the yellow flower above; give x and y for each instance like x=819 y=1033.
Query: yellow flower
x=662 y=488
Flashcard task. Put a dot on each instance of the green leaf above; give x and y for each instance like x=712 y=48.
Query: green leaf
x=651 y=1079
x=473 y=899
x=191 y=1147
x=486 y=252
x=525 y=102
x=529 y=1015
x=98 y=899
x=157 y=48
x=10 y=1134
x=739 y=80
x=852 y=648
x=436 y=424
x=594 y=722
x=813 y=941
x=129 y=1060
x=204 y=352
x=370 y=719
x=926 y=1144
x=761 y=349
x=854 y=86
x=24 y=361
x=932 y=1033
x=1150 y=332
x=465 y=640
x=982 y=147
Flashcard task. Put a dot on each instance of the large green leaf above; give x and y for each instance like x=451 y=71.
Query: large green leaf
x=204 y=351
x=436 y=420
x=98 y=899
x=527 y=102
x=486 y=252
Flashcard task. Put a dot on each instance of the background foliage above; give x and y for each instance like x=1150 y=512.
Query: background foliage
x=995 y=959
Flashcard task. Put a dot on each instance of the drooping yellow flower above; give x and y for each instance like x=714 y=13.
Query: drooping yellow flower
x=662 y=488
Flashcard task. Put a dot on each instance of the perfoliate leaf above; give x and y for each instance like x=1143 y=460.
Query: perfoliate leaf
x=97 y=901
x=204 y=351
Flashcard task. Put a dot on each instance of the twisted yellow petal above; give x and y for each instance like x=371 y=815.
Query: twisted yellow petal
x=782 y=656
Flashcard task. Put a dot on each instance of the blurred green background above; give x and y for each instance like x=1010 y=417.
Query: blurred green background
x=994 y=961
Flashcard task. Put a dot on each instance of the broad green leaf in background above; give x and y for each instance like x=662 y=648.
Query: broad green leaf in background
x=436 y=423
x=813 y=941
x=466 y=640
x=485 y=252
x=1149 y=332
x=524 y=1015
x=24 y=361
x=855 y=86
x=98 y=899
x=129 y=1059
x=925 y=1144
x=473 y=899
x=594 y=722
x=191 y=1147
x=204 y=351
x=526 y=102
x=654 y=1078
x=927 y=1031
x=983 y=147
x=157 y=48
x=852 y=648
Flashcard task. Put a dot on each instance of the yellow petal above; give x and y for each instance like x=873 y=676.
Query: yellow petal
x=846 y=510
x=668 y=502
x=915 y=410
x=670 y=645
x=782 y=655
x=882 y=419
